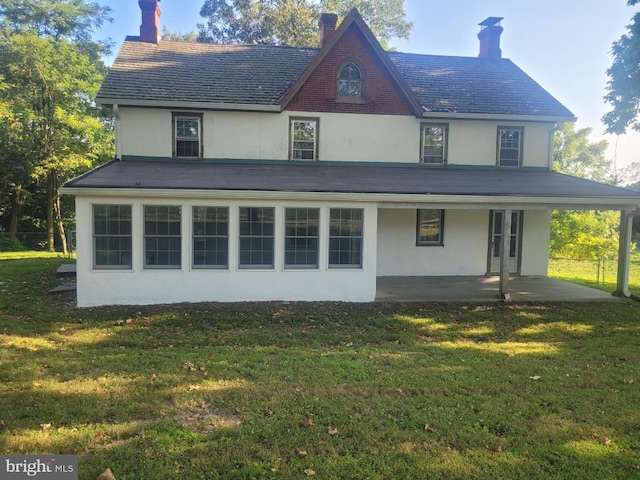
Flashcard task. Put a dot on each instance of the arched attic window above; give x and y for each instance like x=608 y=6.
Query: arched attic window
x=350 y=82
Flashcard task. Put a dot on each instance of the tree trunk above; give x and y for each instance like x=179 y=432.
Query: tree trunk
x=18 y=199
x=61 y=232
x=52 y=191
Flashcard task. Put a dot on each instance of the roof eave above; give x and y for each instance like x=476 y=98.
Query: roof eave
x=384 y=199
x=128 y=102
x=499 y=117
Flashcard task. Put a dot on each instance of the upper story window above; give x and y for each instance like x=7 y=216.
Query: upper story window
x=434 y=143
x=304 y=139
x=350 y=82
x=187 y=135
x=510 y=146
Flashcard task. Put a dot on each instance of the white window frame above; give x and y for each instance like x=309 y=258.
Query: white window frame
x=352 y=238
x=112 y=235
x=508 y=163
x=254 y=236
x=296 y=237
x=191 y=117
x=293 y=151
x=196 y=236
x=423 y=146
x=146 y=235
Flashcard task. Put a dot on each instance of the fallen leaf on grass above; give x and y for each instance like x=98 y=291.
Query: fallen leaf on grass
x=628 y=381
x=306 y=422
x=535 y=377
x=606 y=441
x=193 y=387
x=309 y=473
x=154 y=376
x=333 y=431
x=302 y=453
x=45 y=426
x=429 y=428
x=189 y=366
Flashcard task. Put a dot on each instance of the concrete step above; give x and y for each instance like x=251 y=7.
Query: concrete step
x=66 y=270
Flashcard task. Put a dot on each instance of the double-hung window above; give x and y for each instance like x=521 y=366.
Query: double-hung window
x=112 y=236
x=301 y=237
x=187 y=135
x=434 y=143
x=162 y=236
x=304 y=139
x=345 y=237
x=210 y=237
x=256 y=237
x=430 y=227
x=510 y=146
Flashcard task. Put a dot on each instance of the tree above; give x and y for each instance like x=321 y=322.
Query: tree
x=293 y=22
x=583 y=235
x=169 y=36
x=52 y=129
x=623 y=87
x=574 y=154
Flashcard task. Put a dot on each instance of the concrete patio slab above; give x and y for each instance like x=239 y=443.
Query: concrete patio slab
x=485 y=289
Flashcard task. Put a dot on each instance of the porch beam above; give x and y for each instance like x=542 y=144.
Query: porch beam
x=505 y=248
x=624 y=254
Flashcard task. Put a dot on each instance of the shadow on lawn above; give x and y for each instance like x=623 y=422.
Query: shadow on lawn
x=416 y=390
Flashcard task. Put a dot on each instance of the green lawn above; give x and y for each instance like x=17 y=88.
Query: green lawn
x=261 y=391
x=585 y=272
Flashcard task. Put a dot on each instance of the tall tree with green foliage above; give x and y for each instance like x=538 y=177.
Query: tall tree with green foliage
x=623 y=87
x=584 y=235
x=294 y=22
x=52 y=70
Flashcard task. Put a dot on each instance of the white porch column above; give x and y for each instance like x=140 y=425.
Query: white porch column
x=504 y=255
x=624 y=254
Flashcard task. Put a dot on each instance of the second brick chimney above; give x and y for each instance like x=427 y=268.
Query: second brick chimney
x=150 y=27
x=327 y=27
x=489 y=36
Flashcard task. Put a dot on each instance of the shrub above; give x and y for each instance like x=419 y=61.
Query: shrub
x=10 y=244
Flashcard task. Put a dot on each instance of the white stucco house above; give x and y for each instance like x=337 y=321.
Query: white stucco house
x=255 y=172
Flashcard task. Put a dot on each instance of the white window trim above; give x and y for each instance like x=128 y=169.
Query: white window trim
x=292 y=123
x=186 y=116
x=424 y=243
x=499 y=145
x=445 y=149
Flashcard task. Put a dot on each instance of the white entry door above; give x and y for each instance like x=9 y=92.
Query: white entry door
x=496 y=241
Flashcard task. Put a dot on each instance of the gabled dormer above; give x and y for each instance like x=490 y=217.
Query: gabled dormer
x=350 y=74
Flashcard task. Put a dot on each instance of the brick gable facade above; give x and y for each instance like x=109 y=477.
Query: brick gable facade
x=381 y=96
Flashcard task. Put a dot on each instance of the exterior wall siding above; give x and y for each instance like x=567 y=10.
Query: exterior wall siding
x=139 y=286
x=466 y=244
x=342 y=137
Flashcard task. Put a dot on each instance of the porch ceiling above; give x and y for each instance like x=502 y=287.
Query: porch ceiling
x=385 y=182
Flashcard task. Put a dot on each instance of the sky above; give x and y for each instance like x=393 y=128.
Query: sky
x=564 y=45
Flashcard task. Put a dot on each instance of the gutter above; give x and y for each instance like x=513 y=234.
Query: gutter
x=189 y=105
x=384 y=200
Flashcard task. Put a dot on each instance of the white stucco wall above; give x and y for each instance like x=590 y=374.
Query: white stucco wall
x=140 y=286
x=466 y=234
x=342 y=137
x=535 y=242
x=466 y=244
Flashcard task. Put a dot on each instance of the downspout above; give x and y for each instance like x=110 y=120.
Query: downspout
x=117 y=131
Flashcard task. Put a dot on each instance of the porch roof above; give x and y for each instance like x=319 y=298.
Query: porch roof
x=383 y=182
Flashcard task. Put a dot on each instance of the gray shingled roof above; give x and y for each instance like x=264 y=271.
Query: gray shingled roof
x=262 y=74
x=204 y=72
x=318 y=177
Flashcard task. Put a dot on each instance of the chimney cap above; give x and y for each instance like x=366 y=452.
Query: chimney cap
x=491 y=22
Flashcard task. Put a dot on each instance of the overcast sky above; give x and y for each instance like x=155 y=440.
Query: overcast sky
x=563 y=44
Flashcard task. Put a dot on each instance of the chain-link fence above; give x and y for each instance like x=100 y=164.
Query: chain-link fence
x=36 y=241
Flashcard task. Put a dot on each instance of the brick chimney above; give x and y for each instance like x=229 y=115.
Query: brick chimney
x=327 y=27
x=150 y=27
x=489 y=36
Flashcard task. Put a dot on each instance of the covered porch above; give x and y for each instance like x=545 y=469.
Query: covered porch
x=484 y=289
